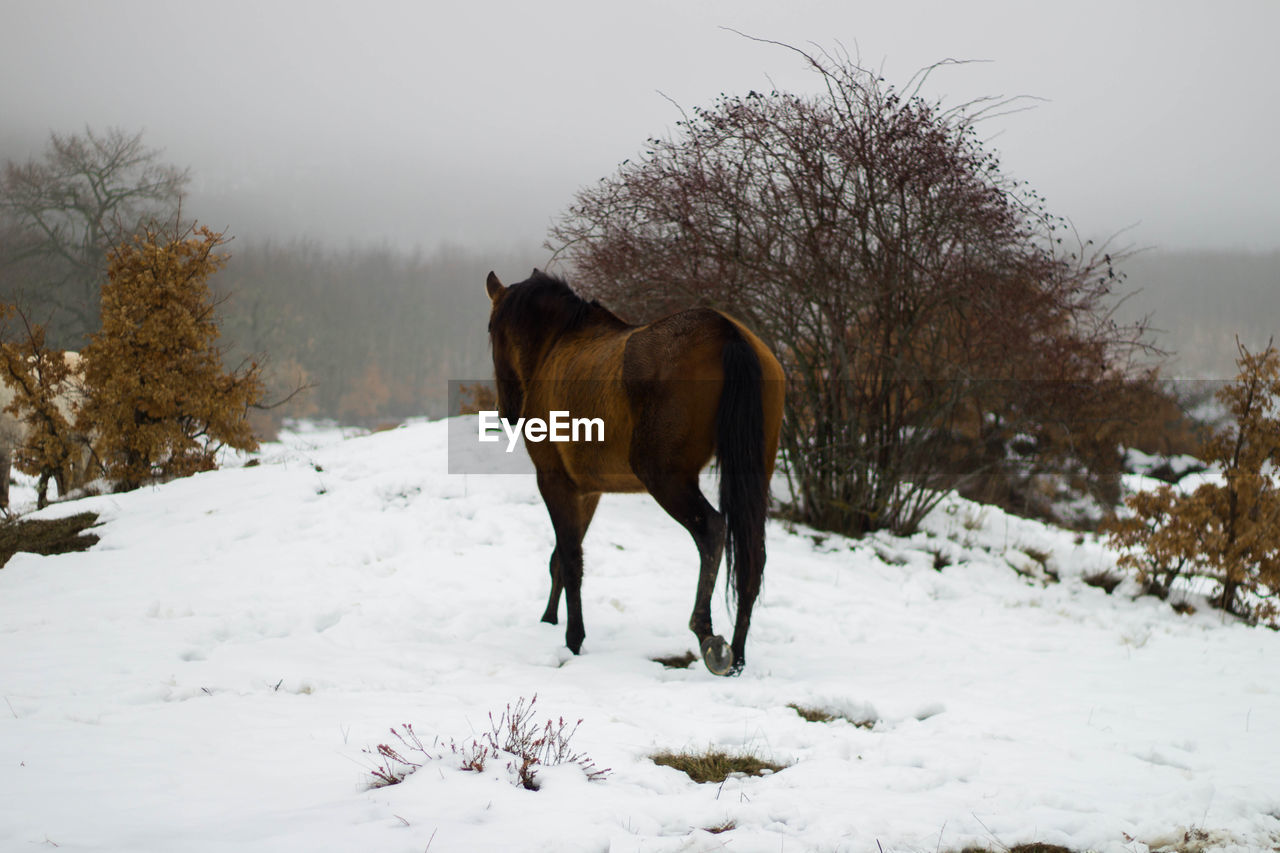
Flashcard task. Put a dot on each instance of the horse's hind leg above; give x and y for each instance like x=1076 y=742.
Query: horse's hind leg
x=685 y=503
x=552 y=614
x=586 y=509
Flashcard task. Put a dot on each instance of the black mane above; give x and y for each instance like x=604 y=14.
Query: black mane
x=545 y=304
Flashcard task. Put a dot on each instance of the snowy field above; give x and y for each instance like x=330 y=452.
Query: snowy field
x=209 y=676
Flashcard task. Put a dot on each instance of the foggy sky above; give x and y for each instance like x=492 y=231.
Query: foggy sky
x=418 y=123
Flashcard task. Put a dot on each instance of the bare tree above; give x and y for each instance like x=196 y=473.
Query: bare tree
x=924 y=304
x=64 y=210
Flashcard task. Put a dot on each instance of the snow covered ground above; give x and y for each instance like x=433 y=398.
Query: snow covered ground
x=209 y=676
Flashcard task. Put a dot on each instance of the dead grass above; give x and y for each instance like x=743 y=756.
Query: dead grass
x=1040 y=555
x=683 y=661
x=1034 y=847
x=1104 y=580
x=47 y=536
x=821 y=715
x=715 y=765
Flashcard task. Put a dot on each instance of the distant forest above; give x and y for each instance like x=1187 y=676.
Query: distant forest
x=377 y=333
x=374 y=334
x=1201 y=301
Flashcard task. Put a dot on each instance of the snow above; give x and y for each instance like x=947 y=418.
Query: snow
x=209 y=676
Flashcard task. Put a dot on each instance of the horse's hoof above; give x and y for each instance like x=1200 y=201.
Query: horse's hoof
x=717 y=655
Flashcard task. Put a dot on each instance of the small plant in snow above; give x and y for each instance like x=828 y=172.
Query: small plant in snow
x=526 y=745
x=394 y=765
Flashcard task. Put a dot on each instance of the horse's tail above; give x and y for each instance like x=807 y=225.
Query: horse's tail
x=744 y=488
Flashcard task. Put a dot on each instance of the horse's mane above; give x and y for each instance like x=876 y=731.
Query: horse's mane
x=545 y=304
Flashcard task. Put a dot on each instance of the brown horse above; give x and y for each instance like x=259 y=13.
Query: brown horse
x=670 y=394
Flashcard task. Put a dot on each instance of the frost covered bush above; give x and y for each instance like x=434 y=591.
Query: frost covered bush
x=1227 y=532
x=160 y=403
x=514 y=737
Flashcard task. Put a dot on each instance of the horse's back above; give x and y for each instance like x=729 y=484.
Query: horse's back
x=657 y=390
x=582 y=376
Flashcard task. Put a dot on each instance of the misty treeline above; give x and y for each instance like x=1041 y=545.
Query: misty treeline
x=368 y=334
x=63 y=211
x=1201 y=302
x=375 y=333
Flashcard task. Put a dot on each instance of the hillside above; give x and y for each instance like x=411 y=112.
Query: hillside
x=210 y=675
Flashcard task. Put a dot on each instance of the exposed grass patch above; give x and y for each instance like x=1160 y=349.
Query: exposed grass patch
x=891 y=559
x=715 y=765
x=1040 y=555
x=683 y=661
x=1193 y=840
x=1034 y=847
x=812 y=715
x=722 y=827
x=1037 y=569
x=821 y=715
x=1104 y=580
x=47 y=536
x=940 y=558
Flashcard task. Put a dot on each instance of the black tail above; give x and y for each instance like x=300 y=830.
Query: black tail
x=744 y=491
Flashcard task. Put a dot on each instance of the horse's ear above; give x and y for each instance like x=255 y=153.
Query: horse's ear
x=493 y=286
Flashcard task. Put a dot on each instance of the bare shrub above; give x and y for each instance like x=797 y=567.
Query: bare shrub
x=927 y=308
x=515 y=736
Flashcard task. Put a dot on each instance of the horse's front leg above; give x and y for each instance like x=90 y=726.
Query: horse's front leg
x=586 y=511
x=570 y=514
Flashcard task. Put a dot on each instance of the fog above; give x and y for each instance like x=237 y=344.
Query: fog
x=416 y=124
